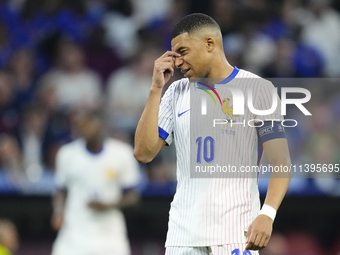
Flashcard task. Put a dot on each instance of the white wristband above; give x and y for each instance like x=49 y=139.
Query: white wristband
x=269 y=211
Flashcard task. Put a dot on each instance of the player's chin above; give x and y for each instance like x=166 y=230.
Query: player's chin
x=191 y=77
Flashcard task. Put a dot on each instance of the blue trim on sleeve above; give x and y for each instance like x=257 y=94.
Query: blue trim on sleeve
x=270 y=131
x=162 y=133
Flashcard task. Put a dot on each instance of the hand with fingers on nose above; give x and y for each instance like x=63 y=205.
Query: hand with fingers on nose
x=164 y=69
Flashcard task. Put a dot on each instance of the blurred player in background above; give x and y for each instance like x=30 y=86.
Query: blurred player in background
x=96 y=177
x=211 y=215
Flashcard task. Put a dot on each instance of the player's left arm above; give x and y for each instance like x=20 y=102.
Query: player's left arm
x=259 y=232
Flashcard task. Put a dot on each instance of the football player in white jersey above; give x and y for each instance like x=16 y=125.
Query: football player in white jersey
x=210 y=215
x=96 y=178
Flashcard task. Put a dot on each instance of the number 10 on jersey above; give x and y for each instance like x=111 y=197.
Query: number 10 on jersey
x=208 y=149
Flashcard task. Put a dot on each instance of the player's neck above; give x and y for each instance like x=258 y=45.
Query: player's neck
x=221 y=69
x=94 y=146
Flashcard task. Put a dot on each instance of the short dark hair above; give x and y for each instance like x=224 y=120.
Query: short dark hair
x=193 y=22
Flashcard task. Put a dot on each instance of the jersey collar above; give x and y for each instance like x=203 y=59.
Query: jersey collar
x=225 y=81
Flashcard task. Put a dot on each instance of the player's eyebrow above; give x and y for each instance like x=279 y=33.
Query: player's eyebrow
x=181 y=49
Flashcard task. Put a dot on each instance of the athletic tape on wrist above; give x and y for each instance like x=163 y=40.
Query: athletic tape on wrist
x=269 y=211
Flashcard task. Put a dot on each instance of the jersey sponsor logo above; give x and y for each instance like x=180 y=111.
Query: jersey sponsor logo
x=180 y=114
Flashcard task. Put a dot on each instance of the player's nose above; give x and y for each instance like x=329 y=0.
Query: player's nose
x=178 y=61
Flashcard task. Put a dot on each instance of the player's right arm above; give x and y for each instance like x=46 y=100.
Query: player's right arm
x=59 y=199
x=60 y=195
x=147 y=140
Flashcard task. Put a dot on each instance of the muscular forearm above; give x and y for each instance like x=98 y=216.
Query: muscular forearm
x=146 y=137
x=278 y=156
x=277 y=189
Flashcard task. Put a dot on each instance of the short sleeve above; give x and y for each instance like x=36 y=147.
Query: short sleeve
x=264 y=101
x=61 y=173
x=129 y=174
x=165 y=116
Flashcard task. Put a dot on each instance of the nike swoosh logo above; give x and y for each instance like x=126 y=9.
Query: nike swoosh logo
x=180 y=114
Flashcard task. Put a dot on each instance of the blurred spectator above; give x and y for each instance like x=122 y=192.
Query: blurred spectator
x=223 y=12
x=160 y=28
x=32 y=132
x=128 y=89
x=148 y=10
x=11 y=160
x=6 y=50
x=9 y=118
x=47 y=97
x=9 y=240
x=294 y=60
x=75 y=85
x=100 y=57
x=259 y=49
x=254 y=48
x=121 y=28
x=282 y=65
x=21 y=68
x=319 y=31
x=57 y=125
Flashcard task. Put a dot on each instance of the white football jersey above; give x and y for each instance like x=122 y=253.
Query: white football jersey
x=213 y=211
x=88 y=176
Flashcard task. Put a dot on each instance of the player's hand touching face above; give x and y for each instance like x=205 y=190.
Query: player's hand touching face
x=164 y=69
x=259 y=233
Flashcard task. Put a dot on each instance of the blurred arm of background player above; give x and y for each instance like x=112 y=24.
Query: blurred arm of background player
x=147 y=141
x=58 y=200
x=129 y=199
x=259 y=232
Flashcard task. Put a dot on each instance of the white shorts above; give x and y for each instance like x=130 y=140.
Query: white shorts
x=228 y=249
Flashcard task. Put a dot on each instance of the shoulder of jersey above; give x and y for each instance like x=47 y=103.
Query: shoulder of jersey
x=257 y=80
x=72 y=145
x=179 y=85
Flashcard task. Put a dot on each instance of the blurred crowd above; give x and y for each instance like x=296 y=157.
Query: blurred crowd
x=58 y=57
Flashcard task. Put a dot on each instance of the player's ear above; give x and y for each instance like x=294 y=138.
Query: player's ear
x=210 y=43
